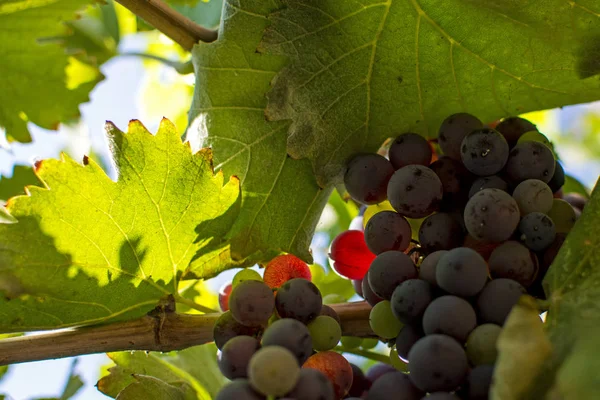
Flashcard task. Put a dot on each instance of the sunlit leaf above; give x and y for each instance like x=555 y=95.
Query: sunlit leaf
x=34 y=75
x=281 y=199
x=89 y=250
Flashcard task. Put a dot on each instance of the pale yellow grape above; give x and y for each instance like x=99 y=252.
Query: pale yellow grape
x=273 y=371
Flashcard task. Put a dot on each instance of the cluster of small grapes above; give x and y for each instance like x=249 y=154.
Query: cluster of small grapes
x=276 y=336
x=488 y=219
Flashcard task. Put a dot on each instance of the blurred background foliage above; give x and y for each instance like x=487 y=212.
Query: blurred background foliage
x=143 y=80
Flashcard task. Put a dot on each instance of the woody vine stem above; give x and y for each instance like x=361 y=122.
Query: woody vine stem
x=160 y=330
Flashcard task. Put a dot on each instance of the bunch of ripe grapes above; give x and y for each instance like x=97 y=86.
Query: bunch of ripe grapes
x=448 y=244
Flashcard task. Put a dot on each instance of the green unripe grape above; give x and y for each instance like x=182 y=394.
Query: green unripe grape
x=273 y=371
x=563 y=215
x=534 y=136
x=481 y=344
x=325 y=333
x=369 y=343
x=397 y=361
x=245 y=275
x=351 y=342
x=334 y=298
x=383 y=321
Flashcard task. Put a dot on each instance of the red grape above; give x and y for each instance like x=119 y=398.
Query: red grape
x=224 y=293
x=335 y=367
x=351 y=255
x=283 y=268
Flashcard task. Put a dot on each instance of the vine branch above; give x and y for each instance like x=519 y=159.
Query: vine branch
x=162 y=330
x=176 y=26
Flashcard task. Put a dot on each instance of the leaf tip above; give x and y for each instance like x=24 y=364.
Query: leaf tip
x=86 y=160
x=110 y=128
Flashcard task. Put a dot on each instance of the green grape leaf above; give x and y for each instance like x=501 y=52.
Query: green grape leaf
x=363 y=71
x=89 y=250
x=74 y=383
x=524 y=350
x=45 y=86
x=281 y=199
x=147 y=387
x=572 y=289
x=22 y=176
x=572 y=185
x=196 y=367
x=330 y=283
x=204 y=13
x=575 y=379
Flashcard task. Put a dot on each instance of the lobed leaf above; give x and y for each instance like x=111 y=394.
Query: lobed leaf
x=22 y=176
x=41 y=83
x=89 y=250
x=195 y=367
x=363 y=71
x=281 y=199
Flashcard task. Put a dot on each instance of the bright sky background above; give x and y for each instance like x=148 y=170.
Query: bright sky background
x=118 y=99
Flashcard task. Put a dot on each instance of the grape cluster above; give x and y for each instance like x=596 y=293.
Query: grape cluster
x=275 y=337
x=453 y=237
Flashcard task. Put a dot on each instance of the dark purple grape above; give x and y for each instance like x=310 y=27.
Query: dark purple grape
x=370 y=295
x=533 y=195
x=550 y=253
x=410 y=299
x=415 y=191
x=453 y=130
x=484 y=151
x=235 y=356
x=291 y=334
x=440 y=231
x=427 y=270
x=408 y=149
x=558 y=179
x=514 y=261
x=441 y=396
x=388 y=270
x=492 y=215
x=299 y=299
x=437 y=363
x=408 y=336
x=312 y=384
x=488 y=182
x=462 y=272
x=378 y=370
x=455 y=179
x=450 y=315
x=227 y=327
x=394 y=385
x=537 y=231
x=360 y=384
x=530 y=160
x=239 y=389
x=387 y=230
x=479 y=382
x=512 y=128
x=367 y=177
x=330 y=312
x=251 y=303
x=497 y=299
x=576 y=200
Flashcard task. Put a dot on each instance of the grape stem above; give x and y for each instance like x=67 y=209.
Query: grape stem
x=162 y=329
x=193 y=304
x=176 y=26
x=371 y=355
x=183 y=68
